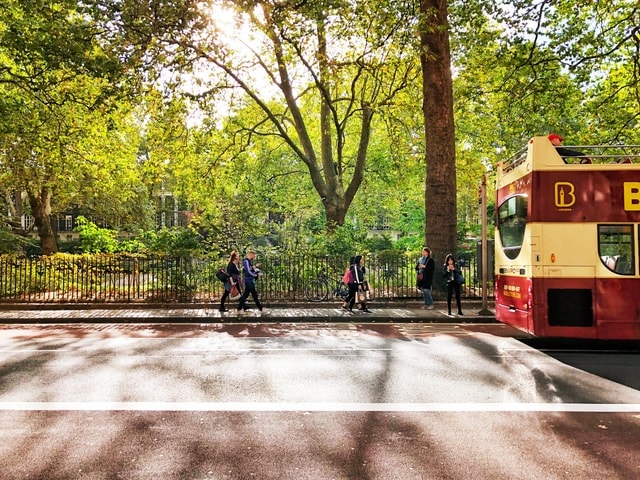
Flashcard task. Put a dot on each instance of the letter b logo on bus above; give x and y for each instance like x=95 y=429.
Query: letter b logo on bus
x=632 y=196
x=565 y=195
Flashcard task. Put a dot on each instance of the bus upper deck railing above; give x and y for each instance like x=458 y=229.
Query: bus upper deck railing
x=590 y=154
x=602 y=154
x=516 y=160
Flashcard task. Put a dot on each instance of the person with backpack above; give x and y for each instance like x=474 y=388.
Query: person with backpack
x=357 y=285
x=347 y=279
x=424 y=274
x=233 y=278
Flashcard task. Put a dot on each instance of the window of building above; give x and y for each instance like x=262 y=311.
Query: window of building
x=512 y=222
x=615 y=247
x=27 y=222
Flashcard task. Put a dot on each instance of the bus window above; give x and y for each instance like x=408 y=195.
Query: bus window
x=615 y=247
x=512 y=221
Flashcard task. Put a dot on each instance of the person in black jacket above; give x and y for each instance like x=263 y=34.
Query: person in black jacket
x=233 y=278
x=453 y=276
x=564 y=152
x=424 y=270
x=250 y=274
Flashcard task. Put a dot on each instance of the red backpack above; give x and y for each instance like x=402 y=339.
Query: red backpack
x=348 y=277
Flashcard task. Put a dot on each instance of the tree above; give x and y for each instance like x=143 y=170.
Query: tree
x=440 y=183
x=58 y=136
x=346 y=61
x=529 y=68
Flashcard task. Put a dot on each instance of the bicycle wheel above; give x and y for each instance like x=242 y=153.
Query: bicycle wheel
x=316 y=290
x=341 y=291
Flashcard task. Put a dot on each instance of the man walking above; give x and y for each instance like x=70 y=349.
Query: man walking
x=250 y=275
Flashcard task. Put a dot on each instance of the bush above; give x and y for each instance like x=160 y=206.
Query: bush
x=94 y=239
x=11 y=243
x=173 y=241
x=410 y=243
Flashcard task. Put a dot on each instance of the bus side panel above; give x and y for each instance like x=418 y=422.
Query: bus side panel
x=564 y=307
x=512 y=301
x=589 y=308
x=617 y=305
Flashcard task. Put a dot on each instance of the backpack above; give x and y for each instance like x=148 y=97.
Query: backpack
x=222 y=275
x=348 y=276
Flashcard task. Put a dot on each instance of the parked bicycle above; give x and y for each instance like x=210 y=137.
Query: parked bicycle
x=319 y=288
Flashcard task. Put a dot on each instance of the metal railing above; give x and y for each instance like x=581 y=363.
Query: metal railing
x=64 y=278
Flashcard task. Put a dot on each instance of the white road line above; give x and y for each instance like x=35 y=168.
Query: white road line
x=322 y=407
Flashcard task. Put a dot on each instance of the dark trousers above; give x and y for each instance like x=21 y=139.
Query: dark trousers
x=353 y=293
x=225 y=295
x=249 y=289
x=451 y=287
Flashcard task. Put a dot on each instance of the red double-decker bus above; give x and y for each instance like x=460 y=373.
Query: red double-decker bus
x=567 y=241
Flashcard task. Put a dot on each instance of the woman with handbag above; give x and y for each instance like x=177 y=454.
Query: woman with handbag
x=424 y=277
x=454 y=278
x=357 y=289
x=232 y=283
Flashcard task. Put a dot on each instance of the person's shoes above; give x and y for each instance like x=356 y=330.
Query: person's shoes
x=430 y=307
x=345 y=307
x=224 y=310
x=460 y=314
x=366 y=310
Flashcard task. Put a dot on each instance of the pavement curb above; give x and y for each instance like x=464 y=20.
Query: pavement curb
x=213 y=315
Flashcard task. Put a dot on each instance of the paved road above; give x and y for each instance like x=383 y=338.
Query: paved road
x=305 y=401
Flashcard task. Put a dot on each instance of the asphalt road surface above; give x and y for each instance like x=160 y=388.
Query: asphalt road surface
x=305 y=401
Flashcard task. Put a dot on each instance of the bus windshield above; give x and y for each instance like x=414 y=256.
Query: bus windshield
x=512 y=221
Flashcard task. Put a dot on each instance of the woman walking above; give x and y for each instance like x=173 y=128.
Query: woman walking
x=357 y=285
x=233 y=278
x=452 y=274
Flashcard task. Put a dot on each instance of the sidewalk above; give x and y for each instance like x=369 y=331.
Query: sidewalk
x=91 y=313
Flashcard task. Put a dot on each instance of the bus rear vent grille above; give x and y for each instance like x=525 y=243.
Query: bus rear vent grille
x=571 y=307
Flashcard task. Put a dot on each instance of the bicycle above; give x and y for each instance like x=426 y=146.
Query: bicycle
x=319 y=288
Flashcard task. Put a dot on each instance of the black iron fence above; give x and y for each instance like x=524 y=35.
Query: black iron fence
x=64 y=278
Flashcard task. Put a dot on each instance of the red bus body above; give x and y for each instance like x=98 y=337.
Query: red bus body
x=567 y=243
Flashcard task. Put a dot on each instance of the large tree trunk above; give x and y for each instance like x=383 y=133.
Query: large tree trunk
x=440 y=183
x=41 y=210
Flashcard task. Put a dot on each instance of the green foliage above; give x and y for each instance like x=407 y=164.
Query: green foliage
x=346 y=240
x=410 y=243
x=94 y=239
x=379 y=243
x=132 y=246
x=12 y=243
x=182 y=242
x=252 y=169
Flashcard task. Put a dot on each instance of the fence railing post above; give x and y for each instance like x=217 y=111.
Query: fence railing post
x=157 y=278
